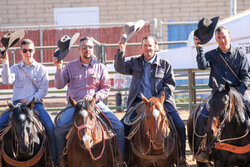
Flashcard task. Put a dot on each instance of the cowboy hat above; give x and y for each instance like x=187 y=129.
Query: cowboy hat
x=205 y=29
x=64 y=44
x=10 y=39
x=130 y=28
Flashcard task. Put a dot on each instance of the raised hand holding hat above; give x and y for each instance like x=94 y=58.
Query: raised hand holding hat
x=64 y=44
x=205 y=30
x=10 y=39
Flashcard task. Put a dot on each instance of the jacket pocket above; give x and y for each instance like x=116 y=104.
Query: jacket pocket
x=159 y=73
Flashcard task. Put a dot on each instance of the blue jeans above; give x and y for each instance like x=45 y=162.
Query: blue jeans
x=179 y=124
x=46 y=121
x=66 y=118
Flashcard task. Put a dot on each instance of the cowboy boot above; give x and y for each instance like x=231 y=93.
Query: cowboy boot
x=201 y=154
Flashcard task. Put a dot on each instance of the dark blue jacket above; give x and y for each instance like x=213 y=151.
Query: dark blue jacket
x=220 y=71
x=162 y=77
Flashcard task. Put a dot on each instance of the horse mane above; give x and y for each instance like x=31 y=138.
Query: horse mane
x=22 y=107
x=83 y=104
x=240 y=111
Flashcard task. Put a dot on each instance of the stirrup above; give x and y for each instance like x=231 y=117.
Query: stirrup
x=201 y=156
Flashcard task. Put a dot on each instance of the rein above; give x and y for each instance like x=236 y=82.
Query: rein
x=84 y=126
x=220 y=145
x=27 y=163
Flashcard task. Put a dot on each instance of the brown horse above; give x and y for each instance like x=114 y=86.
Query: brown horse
x=23 y=140
x=154 y=143
x=91 y=142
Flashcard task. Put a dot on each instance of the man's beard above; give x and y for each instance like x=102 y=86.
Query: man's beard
x=87 y=57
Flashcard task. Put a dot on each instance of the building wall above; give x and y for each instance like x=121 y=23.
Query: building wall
x=41 y=12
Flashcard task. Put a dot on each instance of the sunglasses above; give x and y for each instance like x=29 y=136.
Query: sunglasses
x=27 y=50
x=87 y=47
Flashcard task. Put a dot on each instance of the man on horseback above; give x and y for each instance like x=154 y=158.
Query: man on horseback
x=150 y=76
x=30 y=80
x=85 y=78
x=228 y=65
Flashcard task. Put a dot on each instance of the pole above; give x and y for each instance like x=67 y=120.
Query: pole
x=233 y=7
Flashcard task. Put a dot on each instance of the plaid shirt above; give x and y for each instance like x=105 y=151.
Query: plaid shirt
x=82 y=80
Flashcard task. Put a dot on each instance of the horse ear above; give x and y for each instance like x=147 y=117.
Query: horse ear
x=72 y=102
x=144 y=99
x=11 y=106
x=214 y=83
x=93 y=100
x=162 y=98
x=31 y=104
x=227 y=87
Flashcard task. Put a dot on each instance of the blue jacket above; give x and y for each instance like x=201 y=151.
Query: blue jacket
x=236 y=59
x=162 y=77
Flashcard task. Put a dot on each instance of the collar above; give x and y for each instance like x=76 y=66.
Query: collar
x=231 y=50
x=150 y=61
x=34 y=63
x=92 y=62
x=154 y=60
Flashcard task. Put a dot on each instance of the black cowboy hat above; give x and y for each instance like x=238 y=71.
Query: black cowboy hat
x=64 y=44
x=205 y=29
x=10 y=39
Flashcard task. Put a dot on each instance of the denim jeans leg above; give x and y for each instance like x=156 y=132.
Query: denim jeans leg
x=49 y=126
x=60 y=130
x=4 y=118
x=116 y=124
x=180 y=126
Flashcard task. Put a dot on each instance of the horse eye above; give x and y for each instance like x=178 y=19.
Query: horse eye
x=147 y=117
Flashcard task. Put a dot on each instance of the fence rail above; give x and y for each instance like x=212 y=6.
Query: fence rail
x=185 y=90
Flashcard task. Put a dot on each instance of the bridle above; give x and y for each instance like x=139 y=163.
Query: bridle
x=34 y=160
x=92 y=128
x=221 y=125
x=147 y=155
x=152 y=140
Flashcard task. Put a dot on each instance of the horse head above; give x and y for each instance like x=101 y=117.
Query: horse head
x=85 y=121
x=226 y=106
x=22 y=128
x=156 y=120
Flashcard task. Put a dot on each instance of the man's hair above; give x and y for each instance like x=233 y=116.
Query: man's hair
x=27 y=42
x=150 y=36
x=220 y=28
x=86 y=39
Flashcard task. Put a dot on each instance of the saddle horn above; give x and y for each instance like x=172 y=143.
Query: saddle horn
x=11 y=106
x=144 y=99
x=214 y=83
x=72 y=102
